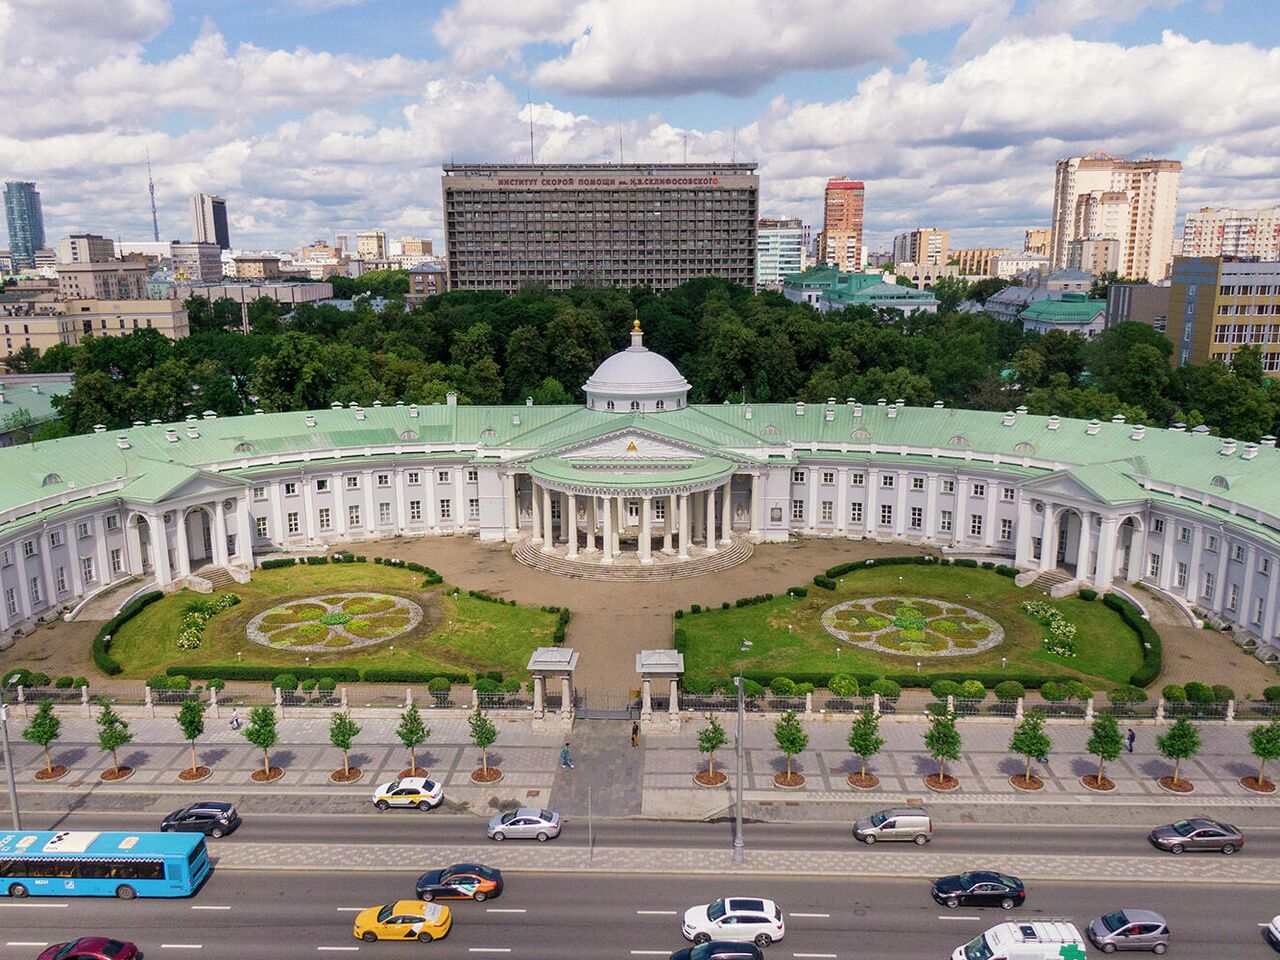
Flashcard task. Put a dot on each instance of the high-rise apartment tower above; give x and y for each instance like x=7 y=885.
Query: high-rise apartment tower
x=25 y=218
x=840 y=241
x=209 y=220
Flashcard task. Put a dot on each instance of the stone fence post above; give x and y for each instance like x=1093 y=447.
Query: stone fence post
x=408 y=697
x=279 y=704
x=1088 y=710
x=1018 y=709
x=1231 y=711
x=875 y=705
x=343 y=699
x=22 y=702
x=84 y=702
x=1160 y=710
x=808 y=706
x=151 y=707
x=213 y=702
x=951 y=704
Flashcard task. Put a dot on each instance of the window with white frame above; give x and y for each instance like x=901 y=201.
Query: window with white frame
x=322 y=484
x=979 y=489
x=60 y=579
x=86 y=569
x=442 y=476
x=855 y=512
x=415 y=510
x=113 y=522
x=261 y=523
x=917 y=483
x=291 y=488
x=886 y=480
x=384 y=479
x=886 y=514
x=660 y=508
x=1006 y=529
x=11 y=601
x=1233 y=597
x=55 y=538
x=856 y=479
x=944 y=521
x=352 y=482
x=917 y=518
x=1184 y=534
x=827 y=511
x=82 y=530
x=975 y=524
x=292 y=524
x=259 y=493
x=797 y=509
x=1153 y=566
x=1208 y=584
x=6 y=558
x=1157 y=525
x=948 y=486
x=446 y=509
x=1237 y=552
x=473 y=508
x=117 y=560
x=353 y=516
x=1181 y=575
x=1259 y=609
x=414 y=478
x=1212 y=544
x=1264 y=566
x=473 y=475
x=28 y=548
x=555 y=508
x=828 y=477
x=1007 y=494
x=384 y=514
x=325 y=517
x=797 y=476
x=35 y=589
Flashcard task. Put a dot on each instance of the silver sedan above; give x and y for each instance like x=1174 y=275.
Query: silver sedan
x=528 y=823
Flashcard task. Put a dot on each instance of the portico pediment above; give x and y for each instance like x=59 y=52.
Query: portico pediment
x=631 y=443
x=173 y=482
x=1100 y=484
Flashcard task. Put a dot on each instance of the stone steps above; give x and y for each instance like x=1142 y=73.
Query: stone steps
x=724 y=558
x=218 y=577
x=1049 y=579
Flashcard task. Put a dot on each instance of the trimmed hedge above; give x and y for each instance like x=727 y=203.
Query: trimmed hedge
x=1087 y=593
x=841 y=569
x=797 y=591
x=750 y=601
x=102 y=642
x=413 y=676
x=679 y=638
x=1149 y=640
x=826 y=583
x=1030 y=681
x=562 y=625
x=243 y=671
x=277 y=563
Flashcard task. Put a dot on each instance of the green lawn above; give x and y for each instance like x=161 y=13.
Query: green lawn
x=456 y=634
x=1107 y=650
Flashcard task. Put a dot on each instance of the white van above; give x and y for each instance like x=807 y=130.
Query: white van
x=1024 y=940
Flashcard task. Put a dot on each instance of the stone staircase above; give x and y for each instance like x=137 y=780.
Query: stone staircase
x=664 y=569
x=1050 y=579
x=219 y=577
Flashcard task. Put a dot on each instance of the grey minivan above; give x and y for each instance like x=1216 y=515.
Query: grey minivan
x=897 y=823
x=1130 y=929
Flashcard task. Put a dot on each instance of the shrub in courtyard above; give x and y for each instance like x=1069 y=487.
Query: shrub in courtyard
x=842 y=685
x=1271 y=694
x=941 y=689
x=1126 y=693
x=885 y=688
x=1198 y=692
x=1222 y=693
x=1009 y=690
x=286 y=682
x=782 y=687
x=1173 y=693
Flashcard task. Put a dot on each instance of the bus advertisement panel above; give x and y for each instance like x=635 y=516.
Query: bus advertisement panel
x=82 y=863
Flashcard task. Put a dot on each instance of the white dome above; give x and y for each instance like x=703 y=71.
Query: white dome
x=636 y=379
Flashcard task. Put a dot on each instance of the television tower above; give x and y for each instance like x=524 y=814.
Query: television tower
x=151 y=188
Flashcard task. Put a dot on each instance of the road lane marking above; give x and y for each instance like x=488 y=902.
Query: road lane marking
x=658 y=913
x=488 y=949
x=182 y=946
x=505 y=910
x=34 y=906
x=351 y=909
x=36 y=943
x=827 y=956
x=824 y=916
x=334 y=949
x=204 y=907
x=651 y=953
x=952 y=916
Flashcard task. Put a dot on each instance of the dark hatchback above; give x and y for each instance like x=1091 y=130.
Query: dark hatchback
x=462 y=881
x=979 y=888
x=720 y=950
x=213 y=818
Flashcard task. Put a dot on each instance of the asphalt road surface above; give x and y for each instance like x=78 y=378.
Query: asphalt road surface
x=566 y=917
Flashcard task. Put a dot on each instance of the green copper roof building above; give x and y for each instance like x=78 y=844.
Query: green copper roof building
x=829 y=289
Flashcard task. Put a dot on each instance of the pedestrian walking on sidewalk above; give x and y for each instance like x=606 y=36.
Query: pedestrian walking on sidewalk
x=1129 y=738
x=235 y=718
x=635 y=734
x=565 y=760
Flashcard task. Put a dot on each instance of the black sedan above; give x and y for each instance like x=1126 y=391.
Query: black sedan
x=979 y=888
x=720 y=950
x=462 y=881
x=213 y=818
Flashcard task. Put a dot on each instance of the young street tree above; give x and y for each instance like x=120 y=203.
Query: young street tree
x=710 y=739
x=1105 y=743
x=865 y=740
x=789 y=734
x=1182 y=742
x=942 y=740
x=191 y=720
x=1265 y=741
x=113 y=733
x=342 y=734
x=43 y=730
x=413 y=733
x=483 y=735
x=1031 y=741
x=261 y=732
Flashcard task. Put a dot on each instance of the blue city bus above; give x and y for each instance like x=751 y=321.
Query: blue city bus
x=85 y=863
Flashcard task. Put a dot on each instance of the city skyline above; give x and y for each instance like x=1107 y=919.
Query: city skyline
x=315 y=117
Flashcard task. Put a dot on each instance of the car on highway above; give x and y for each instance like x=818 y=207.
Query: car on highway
x=403 y=920
x=526 y=823
x=213 y=818
x=1024 y=940
x=462 y=881
x=1197 y=833
x=1130 y=929
x=720 y=950
x=897 y=823
x=979 y=888
x=417 y=792
x=91 y=948
x=735 y=918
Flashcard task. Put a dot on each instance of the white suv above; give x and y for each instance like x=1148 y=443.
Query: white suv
x=735 y=918
x=409 y=792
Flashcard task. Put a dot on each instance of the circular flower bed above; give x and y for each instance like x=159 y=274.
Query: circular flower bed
x=912 y=626
x=342 y=621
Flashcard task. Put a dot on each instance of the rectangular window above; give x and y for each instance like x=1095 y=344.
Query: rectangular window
x=415 y=510
x=384 y=514
x=353 y=516
x=384 y=479
x=322 y=484
x=1153 y=566
x=1006 y=529
x=55 y=538
x=1181 y=577
x=917 y=518
x=291 y=488
x=60 y=578
x=86 y=569
x=446 y=509
x=917 y=483
x=353 y=483
x=855 y=512
x=856 y=479
x=5 y=558
x=1208 y=584
x=259 y=493
x=975 y=524
x=414 y=478
x=326 y=518
x=28 y=548
x=473 y=509
x=1259 y=609
x=1237 y=552
x=82 y=530
x=1007 y=494
x=797 y=476
x=828 y=477
x=113 y=522
x=473 y=475
x=948 y=486
x=1212 y=544
x=292 y=524
x=442 y=476
x=1184 y=534
x=797 y=509
x=117 y=560
x=886 y=480
x=886 y=514
x=11 y=601
x=660 y=508
x=1233 y=597
x=35 y=589
x=1157 y=525
x=828 y=511
x=944 y=521
x=1264 y=566
x=555 y=508
x=262 y=527
x=979 y=489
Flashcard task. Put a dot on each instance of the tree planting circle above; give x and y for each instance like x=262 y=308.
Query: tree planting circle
x=912 y=626
x=334 y=622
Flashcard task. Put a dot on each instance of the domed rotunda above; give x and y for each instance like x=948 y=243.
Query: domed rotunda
x=636 y=380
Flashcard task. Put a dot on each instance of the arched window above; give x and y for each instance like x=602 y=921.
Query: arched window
x=635 y=406
x=609 y=405
x=862 y=433
x=408 y=434
x=1023 y=446
x=959 y=440
x=488 y=433
x=769 y=431
x=50 y=479
x=244 y=447
x=1222 y=482
x=659 y=405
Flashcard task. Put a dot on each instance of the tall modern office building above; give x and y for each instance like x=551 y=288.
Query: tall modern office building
x=840 y=241
x=924 y=246
x=25 y=217
x=1232 y=233
x=616 y=224
x=209 y=220
x=779 y=251
x=1101 y=197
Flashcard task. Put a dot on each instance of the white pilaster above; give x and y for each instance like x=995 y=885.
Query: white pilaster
x=668 y=524
x=184 y=551
x=842 y=499
x=900 y=481
x=1272 y=618
x=726 y=512
x=159 y=549
x=1022 y=541
x=73 y=551
x=1084 y=548
x=869 y=518
x=512 y=519
x=1048 y=538
x=711 y=521
x=308 y=514
x=340 y=505
x=1245 y=614
x=1220 y=581
x=646 y=508
x=402 y=513
x=684 y=526
x=754 y=530
x=606 y=537
x=572 y=528
x=548 y=539
x=535 y=499
x=370 y=509
x=433 y=507
x=811 y=508
x=931 y=506
x=1107 y=553
x=591 y=524
x=960 y=525
x=275 y=525
x=100 y=550
x=244 y=526
x=989 y=521
x=219 y=537
x=1193 y=566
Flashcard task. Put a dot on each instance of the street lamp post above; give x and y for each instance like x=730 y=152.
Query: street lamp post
x=739 y=845
x=8 y=763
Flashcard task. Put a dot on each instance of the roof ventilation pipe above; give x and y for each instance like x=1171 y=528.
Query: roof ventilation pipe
x=1268 y=441
x=1007 y=419
x=122 y=442
x=192 y=432
x=799 y=408
x=1054 y=422
x=99 y=428
x=171 y=435
x=413 y=410
x=1228 y=447
x=311 y=420
x=937 y=404
x=1250 y=451
x=1093 y=427
x=1139 y=431
x=1118 y=418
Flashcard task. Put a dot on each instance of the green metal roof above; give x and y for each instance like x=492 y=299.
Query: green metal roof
x=1067 y=310
x=20 y=395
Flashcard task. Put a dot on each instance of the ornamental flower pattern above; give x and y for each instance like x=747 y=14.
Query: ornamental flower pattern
x=197 y=613
x=1061 y=640
x=335 y=621
x=912 y=626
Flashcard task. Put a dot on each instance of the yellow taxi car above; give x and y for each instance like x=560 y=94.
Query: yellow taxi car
x=403 y=920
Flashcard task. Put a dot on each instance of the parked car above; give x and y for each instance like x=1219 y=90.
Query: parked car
x=91 y=948
x=979 y=888
x=409 y=792
x=720 y=950
x=735 y=918
x=213 y=818
x=526 y=823
x=462 y=881
x=403 y=920
x=1130 y=929
x=897 y=823
x=1197 y=833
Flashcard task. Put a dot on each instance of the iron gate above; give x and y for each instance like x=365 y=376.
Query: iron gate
x=605 y=705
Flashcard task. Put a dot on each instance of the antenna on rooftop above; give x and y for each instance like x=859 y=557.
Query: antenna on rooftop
x=151 y=188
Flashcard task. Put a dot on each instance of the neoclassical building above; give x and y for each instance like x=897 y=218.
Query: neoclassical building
x=639 y=483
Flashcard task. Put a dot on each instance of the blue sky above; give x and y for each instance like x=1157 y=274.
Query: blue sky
x=316 y=116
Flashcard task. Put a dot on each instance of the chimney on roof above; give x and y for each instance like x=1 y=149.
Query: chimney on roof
x=189 y=417
x=1228 y=447
x=892 y=411
x=336 y=405
x=413 y=410
x=257 y=412
x=1054 y=422
x=35 y=388
x=122 y=442
x=1007 y=419
x=192 y=432
x=1118 y=418
x=155 y=423
x=1178 y=427
x=171 y=435
x=1250 y=451
x=900 y=403
x=515 y=419
x=1268 y=441
x=352 y=405
x=359 y=413
x=451 y=399
x=937 y=404
x=881 y=402
x=311 y=419
x=1139 y=431
x=830 y=400
x=139 y=423
x=857 y=409
x=1201 y=430
x=799 y=408
x=850 y=401
x=377 y=404
x=1022 y=409
x=1093 y=427
x=528 y=401
x=830 y=414
x=99 y=428
x=209 y=415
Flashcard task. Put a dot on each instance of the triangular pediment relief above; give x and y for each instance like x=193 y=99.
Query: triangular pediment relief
x=206 y=484
x=632 y=445
x=1060 y=485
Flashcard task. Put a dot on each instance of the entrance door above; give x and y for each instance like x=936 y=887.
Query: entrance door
x=605 y=705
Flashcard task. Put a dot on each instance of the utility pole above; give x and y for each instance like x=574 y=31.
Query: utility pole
x=739 y=844
x=8 y=763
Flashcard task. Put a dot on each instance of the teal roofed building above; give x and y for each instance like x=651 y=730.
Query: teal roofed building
x=26 y=403
x=637 y=483
x=1073 y=313
x=829 y=289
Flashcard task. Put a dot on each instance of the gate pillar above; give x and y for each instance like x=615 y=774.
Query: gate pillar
x=552 y=664
x=660 y=665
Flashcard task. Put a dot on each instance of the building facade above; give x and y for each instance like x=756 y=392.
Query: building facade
x=25 y=218
x=1218 y=304
x=658 y=225
x=109 y=280
x=259 y=267
x=116 y=318
x=1095 y=256
x=209 y=220
x=924 y=246
x=371 y=244
x=1226 y=232
x=86 y=248
x=425 y=280
x=639 y=478
x=1138 y=303
x=1134 y=202
x=779 y=251
x=1070 y=313
x=827 y=289
x=840 y=242
x=1037 y=240
x=1009 y=265
x=196 y=262
x=978 y=261
x=32 y=393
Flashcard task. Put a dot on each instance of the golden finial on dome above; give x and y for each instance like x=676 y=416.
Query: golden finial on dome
x=635 y=325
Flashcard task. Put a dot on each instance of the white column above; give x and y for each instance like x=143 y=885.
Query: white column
x=869 y=512
x=512 y=524
x=620 y=523
x=989 y=522
x=726 y=512
x=646 y=508
x=548 y=540
x=433 y=508
x=50 y=594
x=931 y=507
x=1137 y=549
x=668 y=523
x=308 y=512
x=572 y=528
x=459 y=498
x=1167 y=561
x=900 y=482
x=591 y=525
x=1272 y=617
x=1220 y=580
x=684 y=526
x=811 y=507
x=24 y=588
x=1084 y=547
x=1107 y=553
x=73 y=552
x=607 y=531
x=1193 y=564
x=220 y=529
x=370 y=509
x=244 y=526
x=711 y=521
x=402 y=512
x=1245 y=614
x=695 y=517
x=184 y=552
x=1048 y=534
x=568 y=524
x=103 y=562
x=960 y=524
x=340 y=505
x=159 y=549
x=1022 y=537
x=535 y=499
x=275 y=525
x=842 y=499
x=754 y=530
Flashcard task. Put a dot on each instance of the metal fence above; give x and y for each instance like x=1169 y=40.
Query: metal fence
x=56 y=694
x=497 y=700
x=1257 y=709
x=1196 y=711
x=1131 y=711
x=829 y=704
